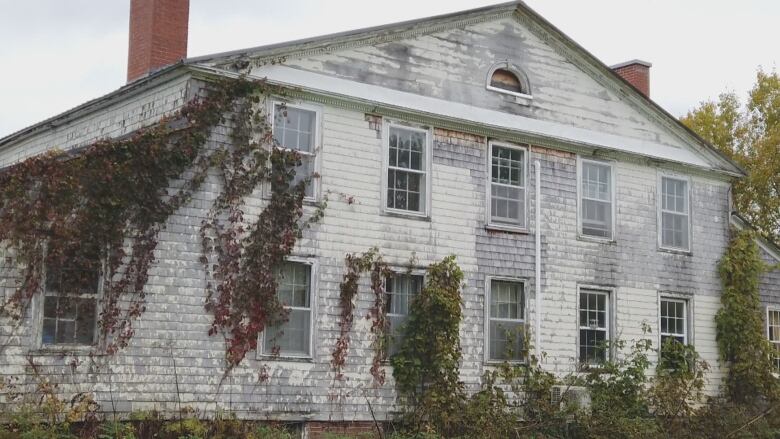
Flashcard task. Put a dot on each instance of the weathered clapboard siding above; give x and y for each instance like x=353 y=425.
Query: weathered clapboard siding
x=123 y=116
x=453 y=65
x=175 y=326
x=770 y=281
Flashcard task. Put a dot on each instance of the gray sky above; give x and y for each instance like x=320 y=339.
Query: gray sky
x=57 y=54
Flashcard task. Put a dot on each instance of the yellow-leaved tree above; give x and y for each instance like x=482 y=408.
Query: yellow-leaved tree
x=749 y=135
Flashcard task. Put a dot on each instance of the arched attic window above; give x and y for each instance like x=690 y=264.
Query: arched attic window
x=507 y=78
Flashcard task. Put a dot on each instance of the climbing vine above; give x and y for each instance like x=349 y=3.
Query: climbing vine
x=426 y=368
x=96 y=212
x=243 y=260
x=369 y=261
x=740 y=327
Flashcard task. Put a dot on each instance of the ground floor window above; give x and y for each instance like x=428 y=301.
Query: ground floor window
x=293 y=337
x=400 y=291
x=594 y=326
x=506 y=322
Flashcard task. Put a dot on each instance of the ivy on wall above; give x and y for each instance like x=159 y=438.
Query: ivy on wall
x=740 y=326
x=99 y=209
x=426 y=368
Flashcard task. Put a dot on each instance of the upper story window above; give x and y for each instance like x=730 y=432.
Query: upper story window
x=295 y=128
x=773 y=332
x=400 y=291
x=594 y=326
x=506 y=80
x=597 y=199
x=294 y=291
x=70 y=306
x=674 y=213
x=508 y=174
x=506 y=320
x=407 y=170
x=505 y=77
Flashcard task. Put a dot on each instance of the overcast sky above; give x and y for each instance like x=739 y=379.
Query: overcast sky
x=57 y=54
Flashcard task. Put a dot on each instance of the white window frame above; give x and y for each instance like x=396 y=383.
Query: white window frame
x=609 y=318
x=520 y=98
x=487 y=319
x=660 y=211
x=686 y=320
x=398 y=271
x=313 y=285
x=489 y=186
x=427 y=174
x=776 y=354
x=613 y=199
x=316 y=140
x=39 y=307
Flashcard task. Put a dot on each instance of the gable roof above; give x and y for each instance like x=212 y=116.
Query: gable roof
x=238 y=60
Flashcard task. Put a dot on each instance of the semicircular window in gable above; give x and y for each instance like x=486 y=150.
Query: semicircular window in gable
x=506 y=80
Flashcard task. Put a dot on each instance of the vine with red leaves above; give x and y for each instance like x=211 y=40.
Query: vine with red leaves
x=370 y=261
x=246 y=258
x=99 y=209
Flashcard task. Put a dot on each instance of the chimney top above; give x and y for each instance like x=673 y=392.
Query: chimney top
x=158 y=35
x=636 y=72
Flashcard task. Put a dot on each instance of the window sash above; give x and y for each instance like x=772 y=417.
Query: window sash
x=397 y=287
x=507 y=208
x=596 y=199
x=673 y=320
x=283 y=133
x=293 y=337
x=507 y=299
x=308 y=155
x=69 y=316
x=773 y=334
x=406 y=182
x=593 y=337
x=675 y=213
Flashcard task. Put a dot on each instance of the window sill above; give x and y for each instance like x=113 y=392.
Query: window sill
x=507 y=229
x=498 y=363
x=64 y=350
x=596 y=239
x=675 y=251
x=284 y=358
x=519 y=98
x=406 y=214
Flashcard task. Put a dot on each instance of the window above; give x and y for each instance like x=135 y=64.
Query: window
x=506 y=80
x=70 y=306
x=674 y=320
x=596 y=199
x=594 y=326
x=293 y=337
x=773 y=332
x=407 y=169
x=400 y=291
x=674 y=213
x=296 y=129
x=506 y=322
x=507 y=186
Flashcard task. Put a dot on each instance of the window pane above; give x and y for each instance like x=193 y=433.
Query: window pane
x=400 y=290
x=593 y=326
x=506 y=340
x=596 y=201
x=674 y=230
x=292 y=337
x=404 y=190
x=507 y=166
x=294 y=128
x=507 y=300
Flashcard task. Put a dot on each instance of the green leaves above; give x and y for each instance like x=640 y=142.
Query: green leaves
x=740 y=333
x=749 y=135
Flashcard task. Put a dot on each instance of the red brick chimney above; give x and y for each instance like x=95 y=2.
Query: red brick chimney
x=637 y=73
x=158 y=35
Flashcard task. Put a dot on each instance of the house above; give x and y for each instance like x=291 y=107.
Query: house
x=576 y=207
